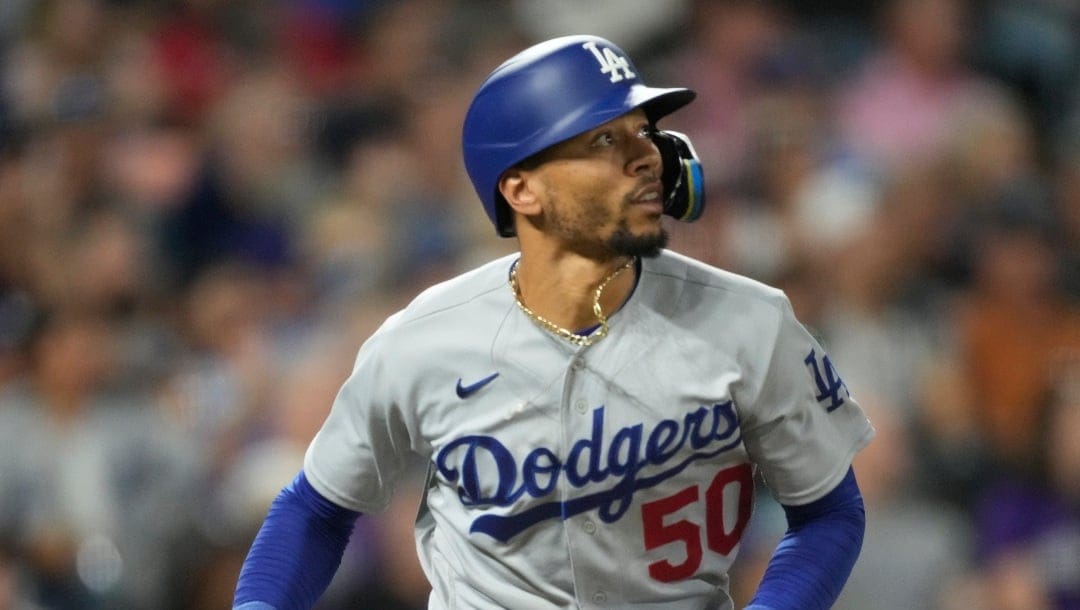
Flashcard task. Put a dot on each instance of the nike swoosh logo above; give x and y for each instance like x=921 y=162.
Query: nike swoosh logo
x=464 y=391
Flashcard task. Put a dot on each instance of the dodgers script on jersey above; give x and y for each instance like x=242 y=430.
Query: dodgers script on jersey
x=613 y=475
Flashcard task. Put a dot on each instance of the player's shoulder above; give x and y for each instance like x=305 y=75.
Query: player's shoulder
x=464 y=296
x=676 y=273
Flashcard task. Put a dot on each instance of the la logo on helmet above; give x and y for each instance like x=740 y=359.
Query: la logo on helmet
x=610 y=63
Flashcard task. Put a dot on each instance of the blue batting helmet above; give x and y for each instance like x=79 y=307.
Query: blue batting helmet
x=544 y=95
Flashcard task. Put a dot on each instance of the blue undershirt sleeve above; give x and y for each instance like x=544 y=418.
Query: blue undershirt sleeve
x=296 y=552
x=815 y=557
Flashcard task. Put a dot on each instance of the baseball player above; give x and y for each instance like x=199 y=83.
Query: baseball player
x=593 y=409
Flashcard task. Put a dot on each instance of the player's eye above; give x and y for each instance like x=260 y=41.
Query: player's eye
x=602 y=139
x=647 y=131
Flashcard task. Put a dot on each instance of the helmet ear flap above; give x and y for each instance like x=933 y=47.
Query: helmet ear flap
x=682 y=177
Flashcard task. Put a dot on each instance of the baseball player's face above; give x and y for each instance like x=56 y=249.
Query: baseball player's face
x=601 y=190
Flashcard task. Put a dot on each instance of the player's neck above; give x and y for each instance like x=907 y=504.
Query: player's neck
x=562 y=288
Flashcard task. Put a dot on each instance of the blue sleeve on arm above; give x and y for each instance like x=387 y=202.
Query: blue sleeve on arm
x=816 y=554
x=296 y=552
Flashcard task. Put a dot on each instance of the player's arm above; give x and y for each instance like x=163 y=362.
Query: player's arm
x=803 y=428
x=296 y=552
x=815 y=557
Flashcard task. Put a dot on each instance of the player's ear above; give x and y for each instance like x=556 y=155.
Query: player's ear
x=519 y=188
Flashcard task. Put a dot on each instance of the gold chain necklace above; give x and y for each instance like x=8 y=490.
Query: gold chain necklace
x=572 y=337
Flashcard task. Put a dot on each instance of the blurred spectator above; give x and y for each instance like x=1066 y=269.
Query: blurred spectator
x=914 y=546
x=1067 y=198
x=195 y=58
x=13 y=593
x=94 y=481
x=738 y=51
x=1033 y=47
x=295 y=409
x=639 y=23
x=840 y=32
x=754 y=126
x=1014 y=323
x=1029 y=526
x=900 y=105
x=223 y=379
x=53 y=71
x=347 y=240
x=992 y=156
x=250 y=184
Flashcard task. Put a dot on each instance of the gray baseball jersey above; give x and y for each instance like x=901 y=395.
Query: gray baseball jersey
x=613 y=475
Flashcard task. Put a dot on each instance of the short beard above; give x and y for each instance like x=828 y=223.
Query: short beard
x=624 y=243
x=620 y=243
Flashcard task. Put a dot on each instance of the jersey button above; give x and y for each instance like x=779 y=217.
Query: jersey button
x=599 y=597
x=589 y=527
x=578 y=364
x=581 y=406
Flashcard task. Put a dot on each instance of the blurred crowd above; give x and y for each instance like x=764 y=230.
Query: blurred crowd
x=207 y=205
